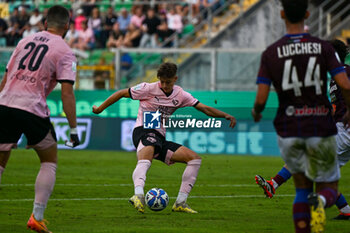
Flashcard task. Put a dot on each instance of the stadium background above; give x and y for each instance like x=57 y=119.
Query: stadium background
x=218 y=51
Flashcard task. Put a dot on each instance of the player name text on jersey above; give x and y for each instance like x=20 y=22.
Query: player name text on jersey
x=299 y=48
x=41 y=39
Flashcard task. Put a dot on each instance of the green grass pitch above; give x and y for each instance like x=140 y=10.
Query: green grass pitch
x=92 y=189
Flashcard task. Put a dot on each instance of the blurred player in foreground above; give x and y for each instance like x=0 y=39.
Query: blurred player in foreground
x=297 y=66
x=162 y=98
x=342 y=139
x=36 y=65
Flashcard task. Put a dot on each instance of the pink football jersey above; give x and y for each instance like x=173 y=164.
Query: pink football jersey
x=152 y=98
x=37 y=64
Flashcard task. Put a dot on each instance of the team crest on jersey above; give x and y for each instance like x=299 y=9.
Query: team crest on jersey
x=175 y=102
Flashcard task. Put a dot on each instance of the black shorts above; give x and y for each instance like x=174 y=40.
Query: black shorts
x=14 y=122
x=151 y=137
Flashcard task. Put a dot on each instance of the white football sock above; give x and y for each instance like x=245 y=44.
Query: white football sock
x=181 y=197
x=38 y=211
x=44 y=184
x=139 y=190
x=323 y=200
x=139 y=175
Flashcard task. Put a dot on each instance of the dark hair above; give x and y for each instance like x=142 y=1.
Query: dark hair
x=57 y=16
x=167 y=70
x=340 y=48
x=295 y=10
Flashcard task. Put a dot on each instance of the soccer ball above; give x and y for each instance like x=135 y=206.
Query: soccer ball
x=157 y=199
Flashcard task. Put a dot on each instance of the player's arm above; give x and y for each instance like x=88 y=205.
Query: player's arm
x=68 y=101
x=344 y=83
x=111 y=100
x=260 y=101
x=213 y=112
x=3 y=82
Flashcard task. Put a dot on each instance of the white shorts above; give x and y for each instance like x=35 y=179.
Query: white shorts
x=343 y=144
x=314 y=156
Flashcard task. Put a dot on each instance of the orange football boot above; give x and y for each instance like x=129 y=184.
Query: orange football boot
x=38 y=226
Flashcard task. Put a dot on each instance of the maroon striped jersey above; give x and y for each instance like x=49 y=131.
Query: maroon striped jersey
x=297 y=66
x=337 y=99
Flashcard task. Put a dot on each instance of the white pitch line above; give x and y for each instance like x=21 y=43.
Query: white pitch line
x=121 y=185
x=93 y=185
x=125 y=199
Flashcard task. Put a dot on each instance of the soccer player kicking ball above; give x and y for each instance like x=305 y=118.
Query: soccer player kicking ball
x=342 y=139
x=297 y=66
x=36 y=65
x=162 y=98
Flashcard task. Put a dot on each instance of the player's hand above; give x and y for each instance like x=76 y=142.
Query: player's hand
x=96 y=109
x=232 y=120
x=346 y=119
x=256 y=117
x=74 y=139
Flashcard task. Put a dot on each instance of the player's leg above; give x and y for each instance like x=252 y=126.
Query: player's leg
x=301 y=207
x=282 y=176
x=343 y=207
x=185 y=155
x=45 y=180
x=4 y=157
x=41 y=137
x=44 y=184
x=323 y=168
x=10 y=133
x=144 y=161
x=341 y=202
x=147 y=142
x=270 y=186
x=327 y=191
x=343 y=152
x=293 y=153
x=325 y=196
